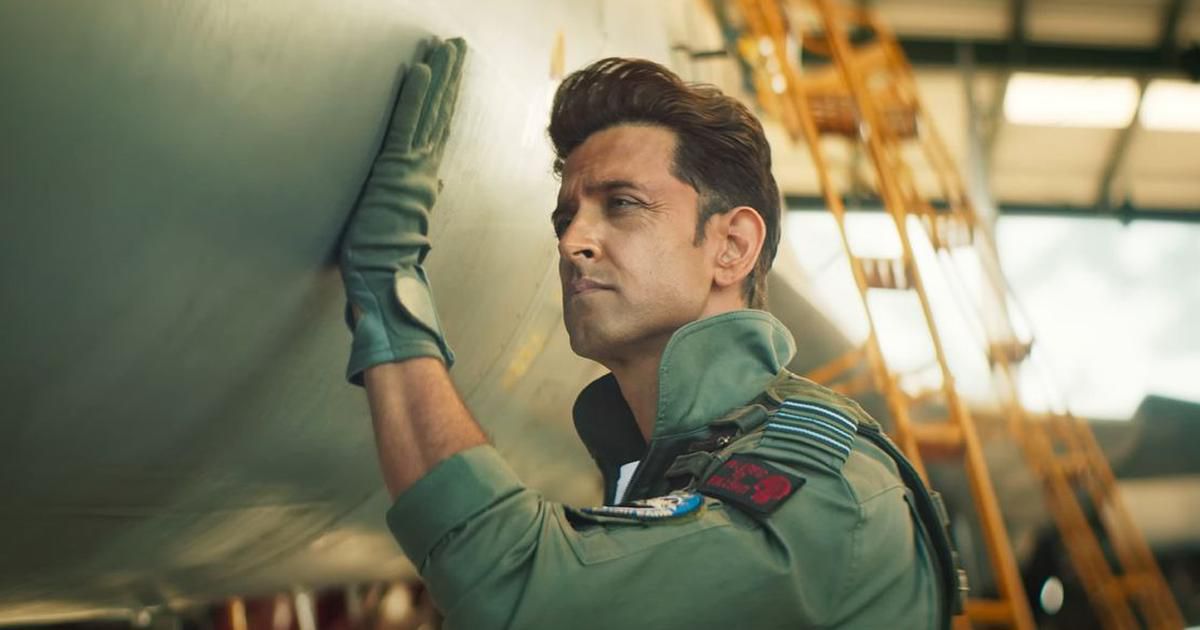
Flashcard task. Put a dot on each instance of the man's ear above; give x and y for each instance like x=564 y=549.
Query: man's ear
x=741 y=239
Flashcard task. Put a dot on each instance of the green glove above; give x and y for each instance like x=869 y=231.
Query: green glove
x=387 y=238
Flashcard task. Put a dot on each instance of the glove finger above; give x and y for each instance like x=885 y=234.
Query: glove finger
x=424 y=47
x=441 y=59
x=408 y=112
x=454 y=80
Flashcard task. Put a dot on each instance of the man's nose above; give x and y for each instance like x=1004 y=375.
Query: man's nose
x=579 y=240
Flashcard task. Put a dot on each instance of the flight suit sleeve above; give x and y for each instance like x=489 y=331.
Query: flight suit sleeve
x=495 y=554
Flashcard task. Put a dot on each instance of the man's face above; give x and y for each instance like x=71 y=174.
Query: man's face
x=630 y=272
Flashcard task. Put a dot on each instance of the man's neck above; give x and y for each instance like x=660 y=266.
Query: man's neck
x=638 y=376
x=638 y=380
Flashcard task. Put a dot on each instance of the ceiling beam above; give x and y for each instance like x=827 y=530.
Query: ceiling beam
x=1124 y=213
x=993 y=119
x=1017 y=11
x=981 y=124
x=997 y=54
x=1017 y=52
x=1168 y=34
x=1115 y=162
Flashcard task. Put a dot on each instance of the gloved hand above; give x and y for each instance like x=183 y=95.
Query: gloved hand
x=389 y=305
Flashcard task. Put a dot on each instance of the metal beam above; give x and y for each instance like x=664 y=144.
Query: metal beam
x=1168 y=40
x=993 y=119
x=930 y=51
x=1017 y=10
x=1017 y=52
x=981 y=124
x=1115 y=161
x=1189 y=61
x=1125 y=213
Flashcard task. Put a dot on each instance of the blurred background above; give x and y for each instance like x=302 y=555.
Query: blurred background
x=992 y=242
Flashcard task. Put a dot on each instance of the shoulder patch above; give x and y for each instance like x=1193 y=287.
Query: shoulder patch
x=752 y=483
x=670 y=506
x=814 y=425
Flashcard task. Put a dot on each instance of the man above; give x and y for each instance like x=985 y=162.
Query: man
x=738 y=495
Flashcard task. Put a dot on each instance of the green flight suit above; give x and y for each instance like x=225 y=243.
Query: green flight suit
x=842 y=550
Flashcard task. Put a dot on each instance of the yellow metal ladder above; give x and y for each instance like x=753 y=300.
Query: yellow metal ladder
x=1127 y=590
x=839 y=101
x=867 y=94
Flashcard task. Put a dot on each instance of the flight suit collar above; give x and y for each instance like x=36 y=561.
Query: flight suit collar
x=708 y=368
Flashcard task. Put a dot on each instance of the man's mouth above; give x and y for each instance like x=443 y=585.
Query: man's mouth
x=586 y=285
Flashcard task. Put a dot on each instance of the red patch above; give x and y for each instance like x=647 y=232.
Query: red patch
x=752 y=483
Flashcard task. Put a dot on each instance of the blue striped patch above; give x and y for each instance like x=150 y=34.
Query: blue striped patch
x=824 y=411
x=812 y=434
x=831 y=431
x=824 y=423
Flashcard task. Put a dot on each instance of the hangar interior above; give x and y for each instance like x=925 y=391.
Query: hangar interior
x=182 y=452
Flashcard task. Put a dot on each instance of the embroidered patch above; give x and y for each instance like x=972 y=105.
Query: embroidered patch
x=672 y=505
x=752 y=483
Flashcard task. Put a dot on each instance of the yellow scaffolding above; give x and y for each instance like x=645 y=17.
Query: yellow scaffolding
x=866 y=93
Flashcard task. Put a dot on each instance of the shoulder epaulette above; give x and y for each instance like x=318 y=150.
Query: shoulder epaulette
x=813 y=424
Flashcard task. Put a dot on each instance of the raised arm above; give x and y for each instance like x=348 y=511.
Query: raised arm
x=419 y=419
x=399 y=350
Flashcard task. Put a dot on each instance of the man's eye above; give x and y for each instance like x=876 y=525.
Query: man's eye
x=560 y=225
x=622 y=202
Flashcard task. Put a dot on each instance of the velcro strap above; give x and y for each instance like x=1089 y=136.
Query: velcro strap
x=691 y=465
x=741 y=420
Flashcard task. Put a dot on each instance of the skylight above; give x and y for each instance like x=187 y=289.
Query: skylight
x=1111 y=310
x=1171 y=106
x=1070 y=101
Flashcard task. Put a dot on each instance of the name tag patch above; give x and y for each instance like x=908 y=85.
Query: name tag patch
x=751 y=483
x=673 y=505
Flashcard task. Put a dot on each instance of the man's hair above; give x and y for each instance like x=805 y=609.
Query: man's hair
x=720 y=151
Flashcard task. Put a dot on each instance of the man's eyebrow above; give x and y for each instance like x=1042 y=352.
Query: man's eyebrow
x=610 y=185
x=564 y=206
x=568 y=206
